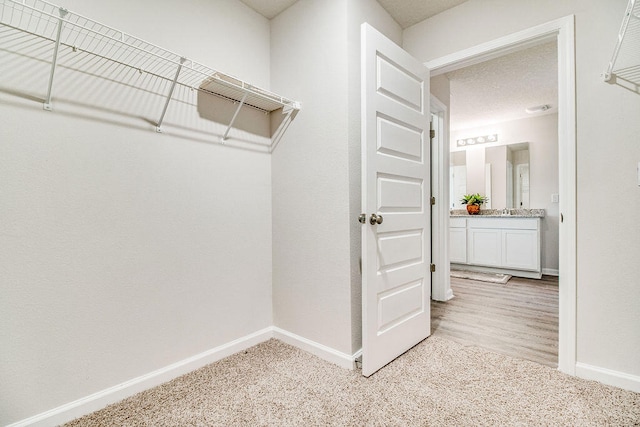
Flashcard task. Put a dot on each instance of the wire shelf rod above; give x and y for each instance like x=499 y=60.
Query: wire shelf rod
x=191 y=82
x=169 y=95
x=40 y=18
x=122 y=40
x=47 y=102
x=233 y=119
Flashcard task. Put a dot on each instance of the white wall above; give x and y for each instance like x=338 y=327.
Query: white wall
x=124 y=250
x=541 y=132
x=607 y=157
x=311 y=270
x=440 y=89
x=316 y=170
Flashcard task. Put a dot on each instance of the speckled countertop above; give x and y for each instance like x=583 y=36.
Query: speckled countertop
x=497 y=213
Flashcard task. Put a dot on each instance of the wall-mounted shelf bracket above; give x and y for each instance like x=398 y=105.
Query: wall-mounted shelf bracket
x=290 y=112
x=170 y=94
x=233 y=119
x=47 y=103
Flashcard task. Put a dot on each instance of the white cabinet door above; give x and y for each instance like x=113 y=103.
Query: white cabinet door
x=458 y=245
x=485 y=246
x=521 y=249
x=512 y=244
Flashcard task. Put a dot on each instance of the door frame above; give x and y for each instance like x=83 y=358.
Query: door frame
x=562 y=30
x=440 y=279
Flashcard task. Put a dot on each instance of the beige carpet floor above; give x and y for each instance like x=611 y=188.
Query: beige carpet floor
x=437 y=383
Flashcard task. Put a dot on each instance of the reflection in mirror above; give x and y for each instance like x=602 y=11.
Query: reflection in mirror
x=458 y=179
x=505 y=180
x=519 y=177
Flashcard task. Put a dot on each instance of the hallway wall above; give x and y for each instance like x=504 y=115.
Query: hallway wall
x=607 y=157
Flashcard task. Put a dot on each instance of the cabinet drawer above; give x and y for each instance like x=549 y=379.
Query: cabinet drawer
x=505 y=223
x=457 y=222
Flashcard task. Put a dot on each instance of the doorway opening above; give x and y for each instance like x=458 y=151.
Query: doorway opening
x=562 y=32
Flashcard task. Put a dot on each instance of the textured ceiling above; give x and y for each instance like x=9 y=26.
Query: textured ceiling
x=409 y=12
x=501 y=89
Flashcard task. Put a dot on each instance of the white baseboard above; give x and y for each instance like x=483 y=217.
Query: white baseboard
x=322 y=351
x=551 y=271
x=99 y=400
x=608 y=376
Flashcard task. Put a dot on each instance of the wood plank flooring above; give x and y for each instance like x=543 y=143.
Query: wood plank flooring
x=519 y=318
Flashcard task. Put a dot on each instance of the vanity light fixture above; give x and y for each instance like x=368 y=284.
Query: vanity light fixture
x=477 y=140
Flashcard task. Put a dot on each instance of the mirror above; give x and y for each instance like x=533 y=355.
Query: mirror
x=457 y=178
x=499 y=172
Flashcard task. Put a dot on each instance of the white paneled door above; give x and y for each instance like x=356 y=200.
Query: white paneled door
x=396 y=239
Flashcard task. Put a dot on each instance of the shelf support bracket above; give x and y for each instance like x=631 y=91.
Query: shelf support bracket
x=290 y=111
x=233 y=119
x=170 y=94
x=47 y=103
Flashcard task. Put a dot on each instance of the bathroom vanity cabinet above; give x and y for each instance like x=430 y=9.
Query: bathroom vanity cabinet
x=509 y=244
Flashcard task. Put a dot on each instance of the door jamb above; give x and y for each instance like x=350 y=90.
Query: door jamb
x=564 y=30
x=440 y=279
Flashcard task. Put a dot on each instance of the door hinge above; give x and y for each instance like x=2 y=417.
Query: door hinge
x=433 y=200
x=433 y=268
x=432 y=133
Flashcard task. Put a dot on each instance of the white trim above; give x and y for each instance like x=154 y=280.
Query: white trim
x=441 y=281
x=567 y=342
x=99 y=400
x=329 y=354
x=608 y=376
x=550 y=271
x=521 y=40
x=564 y=30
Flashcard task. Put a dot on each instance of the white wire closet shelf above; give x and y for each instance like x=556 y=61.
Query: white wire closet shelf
x=625 y=61
x=62 y=27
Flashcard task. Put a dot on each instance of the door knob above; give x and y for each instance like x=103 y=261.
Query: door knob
x=362 y=218
x=375 y=219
